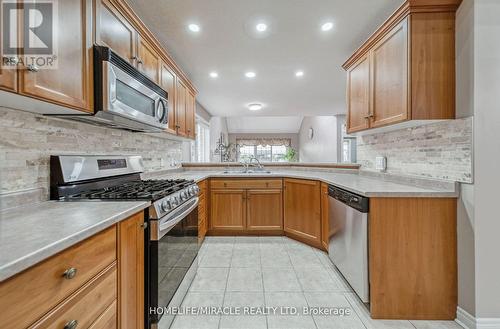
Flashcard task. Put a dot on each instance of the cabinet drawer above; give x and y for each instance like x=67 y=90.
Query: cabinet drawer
x=32 y=293
x=245 y=183
x=106 y=320
x=86 y=305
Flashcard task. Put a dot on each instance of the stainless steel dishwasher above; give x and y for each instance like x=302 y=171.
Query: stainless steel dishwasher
x=348 y=245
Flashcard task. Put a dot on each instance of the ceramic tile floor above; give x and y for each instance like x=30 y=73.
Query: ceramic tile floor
x=260 y=272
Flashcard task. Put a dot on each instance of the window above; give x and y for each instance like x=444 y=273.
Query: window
x=264 y=153
x=200 y=148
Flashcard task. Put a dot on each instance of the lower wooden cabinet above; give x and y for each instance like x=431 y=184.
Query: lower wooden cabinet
x=202 y=211
x=302 y=210
x=246 y=206
x=8 y=79
x=325 y=227
x=131 y=272
x=228 y=211
x=264 y=210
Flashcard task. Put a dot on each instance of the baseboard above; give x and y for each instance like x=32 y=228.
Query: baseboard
x=468 y=321
x=465 y=319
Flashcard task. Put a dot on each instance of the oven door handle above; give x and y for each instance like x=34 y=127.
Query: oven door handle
x=169 y=221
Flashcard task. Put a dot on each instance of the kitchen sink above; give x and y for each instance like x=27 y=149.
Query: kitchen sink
x=245 y=172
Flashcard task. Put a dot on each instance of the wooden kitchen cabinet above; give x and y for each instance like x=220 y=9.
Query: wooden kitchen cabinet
x=228 y=211
x=115 y=32
x=180 y=109
x=358 y=90
x=202 y=211
x=8 y=79
x=264 y=210
x=168 y=82
x=70 y=84
x=302 y=210
x=325 y=219
x=413 y=258
x=190 y=114
x=389 y=90
x=258 y=205
x=148 y=60
x=405 y=72
x=131 y=272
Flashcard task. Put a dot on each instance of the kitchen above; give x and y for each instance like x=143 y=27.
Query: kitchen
x=212 y=164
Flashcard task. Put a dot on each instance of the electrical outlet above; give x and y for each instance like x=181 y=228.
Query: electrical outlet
x=381 y=163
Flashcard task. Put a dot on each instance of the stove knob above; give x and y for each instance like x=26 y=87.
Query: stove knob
x=184 y=196
x=175 y=201
x=166 y=205
x=191 y=191
x=196 y=189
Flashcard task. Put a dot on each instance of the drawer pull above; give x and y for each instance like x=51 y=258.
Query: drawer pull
x=71 y=325
x=69 y=274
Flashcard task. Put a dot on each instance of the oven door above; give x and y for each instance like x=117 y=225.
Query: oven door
x=173 y=249
x=127 y=97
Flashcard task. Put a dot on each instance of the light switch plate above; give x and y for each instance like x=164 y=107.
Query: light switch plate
x=381 y=163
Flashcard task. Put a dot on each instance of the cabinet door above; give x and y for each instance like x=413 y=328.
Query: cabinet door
x=70 y=84
x=168 y=82
x=8 y=77
x=180 y=109
x=115 y=32
x=358 y=95
x=264 y=210
x=131 y=272
x=389 y=89
x=302 y=209
x=228 y=209
x=190 y=114
x=148 y=61
x=325 y=229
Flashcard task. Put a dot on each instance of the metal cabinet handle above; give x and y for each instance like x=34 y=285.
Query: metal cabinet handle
x=144 y=225
x=70 y=273
x=71 y=324
x=32 y=68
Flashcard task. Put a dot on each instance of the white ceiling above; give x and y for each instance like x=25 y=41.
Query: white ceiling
x=264 y=125
x=227 y=44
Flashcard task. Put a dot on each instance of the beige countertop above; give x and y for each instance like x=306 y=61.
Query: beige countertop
x=32 y=234
x=351 y=181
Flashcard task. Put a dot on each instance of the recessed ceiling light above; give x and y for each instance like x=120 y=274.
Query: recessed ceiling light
x=214 y=75
x=255 y=107
x=299 y=74
x=250 y=74
x=194 y=27
x=261 y=27
x=327 y=26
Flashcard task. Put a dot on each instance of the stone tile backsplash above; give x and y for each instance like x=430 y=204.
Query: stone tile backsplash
x=441 y=150
x=27 y=140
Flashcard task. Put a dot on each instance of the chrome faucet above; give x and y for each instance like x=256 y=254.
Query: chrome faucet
x=259 y=165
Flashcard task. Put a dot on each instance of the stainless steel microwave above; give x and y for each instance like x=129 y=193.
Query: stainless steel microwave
x=124 y=97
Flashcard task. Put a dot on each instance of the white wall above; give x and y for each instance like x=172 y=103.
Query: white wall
x=323 y=147
x=465 y=108
x=218 y=126
x=487 y=157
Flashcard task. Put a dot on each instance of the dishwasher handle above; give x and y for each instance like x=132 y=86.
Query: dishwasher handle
x=358 y=202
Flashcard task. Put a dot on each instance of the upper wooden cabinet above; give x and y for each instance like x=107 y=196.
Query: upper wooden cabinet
x=115 y=32
x=70 y=83
x=148 y=60
x=180 y=109
x=190 y=114
x=302 y=210
x=169 y=82
x=406 y=69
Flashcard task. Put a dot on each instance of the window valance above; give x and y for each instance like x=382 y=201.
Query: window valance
x=264 y=141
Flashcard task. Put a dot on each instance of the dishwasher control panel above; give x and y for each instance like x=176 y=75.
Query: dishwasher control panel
x=353 y=200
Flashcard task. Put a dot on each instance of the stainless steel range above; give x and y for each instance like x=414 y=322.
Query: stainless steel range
x=171 y=234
